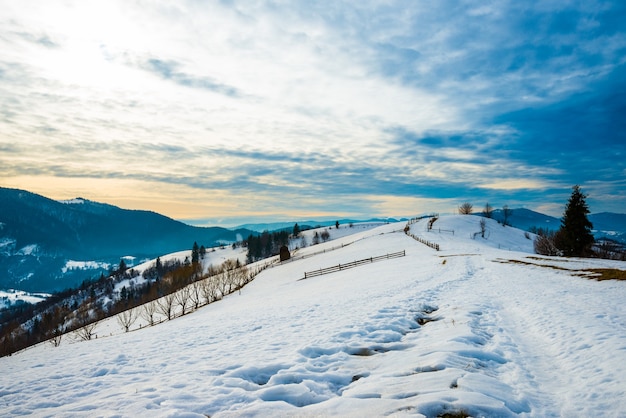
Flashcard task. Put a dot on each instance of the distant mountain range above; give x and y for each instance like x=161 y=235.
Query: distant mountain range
x=275 y=226
x=38 y=236
x=605 y=224
x=48 y=245
x=526 y=219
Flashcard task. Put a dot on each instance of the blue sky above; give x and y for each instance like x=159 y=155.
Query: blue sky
x=217 y=112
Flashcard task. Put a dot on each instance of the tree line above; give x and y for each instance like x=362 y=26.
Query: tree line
x=573 y=238
x=265 y=245
x=168 y=288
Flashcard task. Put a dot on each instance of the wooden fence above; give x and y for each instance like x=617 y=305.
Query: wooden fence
x=353 y=264
x=431 y=221
x=432 y=245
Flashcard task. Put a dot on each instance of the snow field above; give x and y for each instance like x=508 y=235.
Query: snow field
x=459 y=330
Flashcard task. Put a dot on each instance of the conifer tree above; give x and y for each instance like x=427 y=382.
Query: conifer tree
x=159 y=267
x=574 y=238
x=195 y=253
x=123 y=267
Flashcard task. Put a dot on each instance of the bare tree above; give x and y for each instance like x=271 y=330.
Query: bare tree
x=209 y=289
x=127 y=318
x=230 y=270
x=87 y=331
x=182 y=298
x=488 y=210
x=195 y=294
x=242 y=276
x=221 y=283
x=466 y=208
x=483 y=227
x=166 y=305
x=148 y=310
x=227 y=277
x=57 y=335
x=506 y=215
x=432 y=221
x=544 y=243
x=86 y=324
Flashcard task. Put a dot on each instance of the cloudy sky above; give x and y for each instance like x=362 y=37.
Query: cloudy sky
x=219 y=111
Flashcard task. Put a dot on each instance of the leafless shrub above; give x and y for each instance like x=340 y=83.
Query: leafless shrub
x=506 y=215
x=127 y=318
x=195 y=294
x=488 y=210
x=57 y=336
x=483 y=227
x=166 y=305
x=242 y=276
x=466 y=208
x=182 y=298
x=87 y=331
x=208 y=289
x=148 y=310
x=545 y=244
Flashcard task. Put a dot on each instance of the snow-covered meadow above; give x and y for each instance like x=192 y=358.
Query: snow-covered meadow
x=481 y=328
x=12 y=297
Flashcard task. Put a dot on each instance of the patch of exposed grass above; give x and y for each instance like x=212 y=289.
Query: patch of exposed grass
x=527 y=263
x=605 y=274
x=596 y=274
x=455 y=414
x=457 y=255
x=561 y=259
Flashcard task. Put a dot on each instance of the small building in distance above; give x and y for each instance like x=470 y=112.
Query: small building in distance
x=284 y=253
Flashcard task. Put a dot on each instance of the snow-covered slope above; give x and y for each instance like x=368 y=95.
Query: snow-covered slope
x=482 y=327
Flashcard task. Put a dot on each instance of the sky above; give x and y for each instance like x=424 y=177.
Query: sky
x=225 y=112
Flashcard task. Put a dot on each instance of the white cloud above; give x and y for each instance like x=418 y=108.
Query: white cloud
x=163 y=89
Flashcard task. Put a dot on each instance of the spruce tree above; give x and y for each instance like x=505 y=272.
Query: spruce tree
x=195 y=253
x=574 y=238
x=122 y=268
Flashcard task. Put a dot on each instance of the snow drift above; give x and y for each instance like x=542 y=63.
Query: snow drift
x=480 y=328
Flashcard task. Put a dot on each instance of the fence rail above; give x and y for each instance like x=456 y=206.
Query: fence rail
x=432 y=245
x=431 y=221
x=352 y=264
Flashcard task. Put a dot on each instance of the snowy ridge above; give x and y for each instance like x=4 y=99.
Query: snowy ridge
x=13 y=297
x=75 y=201
x=480 y=328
